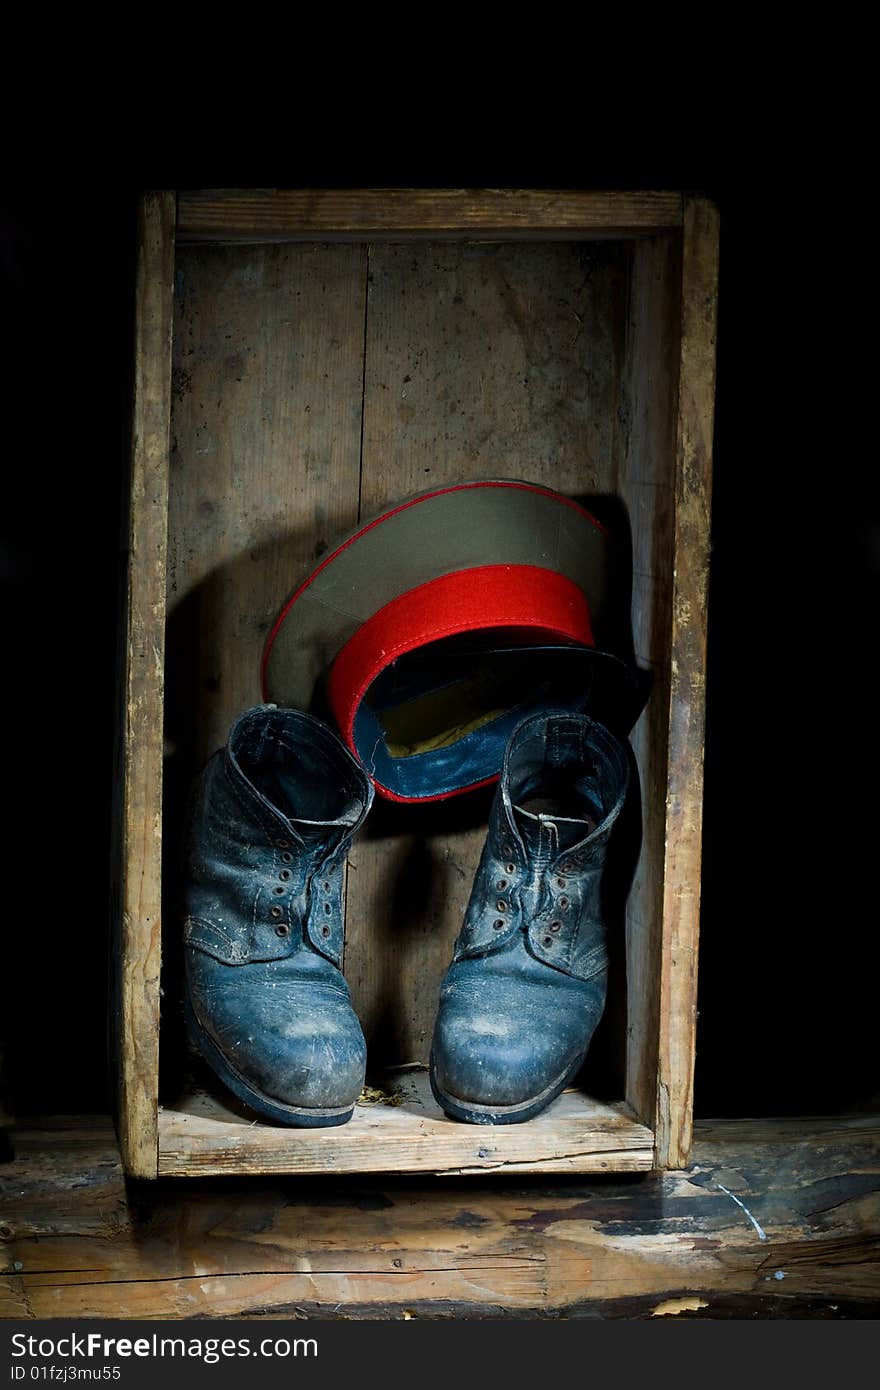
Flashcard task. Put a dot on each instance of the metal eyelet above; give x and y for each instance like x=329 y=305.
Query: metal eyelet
x=282 y=929
x=556 y=926
x=275 y=912
x=328 y=909
x=567 y=867
x=511 y=868
x=325 y=931
x=277 y=890
x=282 y=844
x=548 y=940
x=287 y=857
x=501 y=885
x=507 y=851
x=564 y=904
x=327 y=886
x=499 y=924
x=284 y=875
x=560 y=883
x=501 y=905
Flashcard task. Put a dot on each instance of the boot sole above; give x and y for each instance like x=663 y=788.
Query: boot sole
x=475 y=1114
x=300 y=1117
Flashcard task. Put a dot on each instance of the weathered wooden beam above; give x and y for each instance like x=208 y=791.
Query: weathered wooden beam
x=137 y=929
x=771 y=1219
x=687 y=700
x=308 y=214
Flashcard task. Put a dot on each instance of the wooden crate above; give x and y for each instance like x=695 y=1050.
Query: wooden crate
x=304 y=358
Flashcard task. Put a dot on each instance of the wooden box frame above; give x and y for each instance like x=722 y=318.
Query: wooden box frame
x=668 y=377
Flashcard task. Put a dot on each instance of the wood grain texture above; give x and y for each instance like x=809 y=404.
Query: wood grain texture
x=266 y=426
x=139 y=925
x=313 y=384
x=681 y=887
x=646 y=483
x=279 y=214
x=481 y=361
x=74 y=1243
x=203 y=1135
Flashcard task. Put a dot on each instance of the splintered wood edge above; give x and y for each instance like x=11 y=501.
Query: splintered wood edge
x=684 y=806
x=290 y=214
x=144 y=681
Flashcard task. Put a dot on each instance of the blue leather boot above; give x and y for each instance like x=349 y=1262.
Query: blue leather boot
x=526 y=987
x=270 y=823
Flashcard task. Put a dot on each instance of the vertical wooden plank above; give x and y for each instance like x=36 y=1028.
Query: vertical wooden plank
x=647 y=486
x=681 y=891
x=265 y=462
x=143 y=677
x=490 y=361
x=481 y=361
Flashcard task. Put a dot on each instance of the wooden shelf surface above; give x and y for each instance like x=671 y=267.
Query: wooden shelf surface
x=404 y=1132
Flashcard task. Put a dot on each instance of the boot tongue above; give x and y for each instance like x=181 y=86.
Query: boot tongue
x=328 y=831
x=546 y=835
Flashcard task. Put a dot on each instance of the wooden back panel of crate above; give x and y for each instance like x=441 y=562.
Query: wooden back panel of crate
x=304 y=359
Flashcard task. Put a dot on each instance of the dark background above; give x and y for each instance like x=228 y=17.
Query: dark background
x=788 y=977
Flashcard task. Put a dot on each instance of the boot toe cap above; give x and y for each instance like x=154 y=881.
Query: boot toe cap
x=316 y=1061
x=298 y=1045
x=499 y=1059
x=509 y=1035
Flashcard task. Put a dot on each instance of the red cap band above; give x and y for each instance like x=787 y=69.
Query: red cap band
x=486 y=597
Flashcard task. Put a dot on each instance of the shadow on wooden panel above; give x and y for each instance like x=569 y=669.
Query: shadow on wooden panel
x=422 y=875
x=209 y=680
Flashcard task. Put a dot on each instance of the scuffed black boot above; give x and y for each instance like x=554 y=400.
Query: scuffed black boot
x=526 y=987
x=270 y=824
